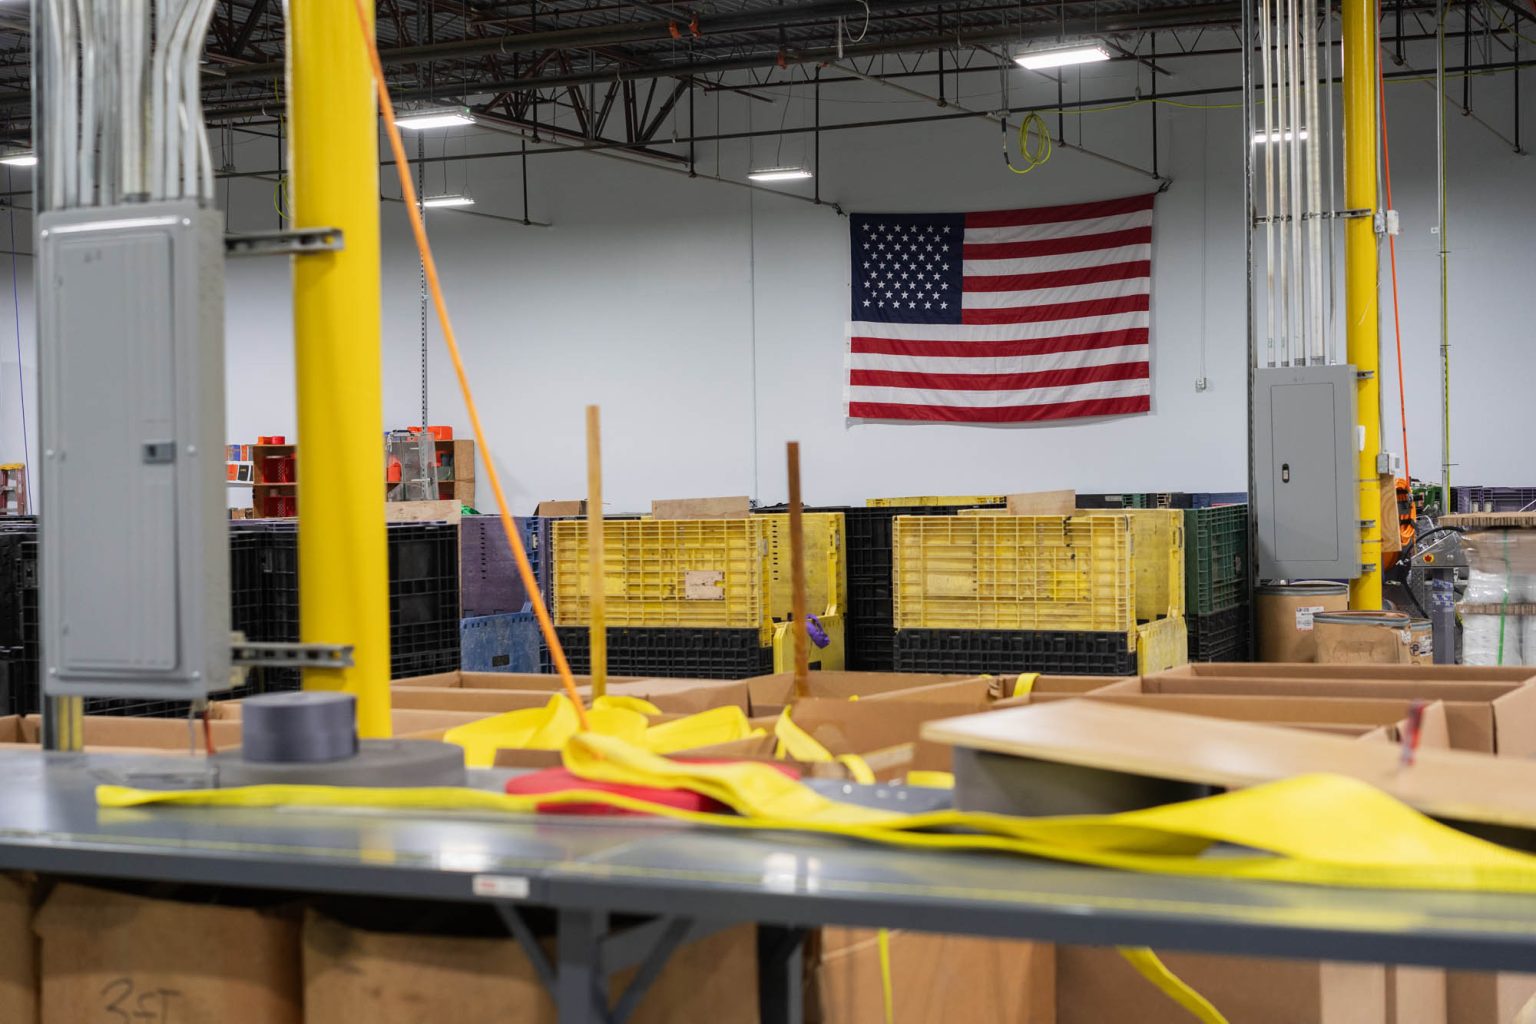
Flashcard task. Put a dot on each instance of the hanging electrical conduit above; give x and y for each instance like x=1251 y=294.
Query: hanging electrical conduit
x=122 y=114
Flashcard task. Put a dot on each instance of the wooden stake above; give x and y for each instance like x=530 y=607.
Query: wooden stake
x=598 y=597
x=797 y=577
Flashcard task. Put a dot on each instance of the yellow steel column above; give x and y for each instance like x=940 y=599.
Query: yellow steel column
x=334 y=160
x=1361 y=279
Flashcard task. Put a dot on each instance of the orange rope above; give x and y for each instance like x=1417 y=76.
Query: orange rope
x=515 y=542
x=1397 y=322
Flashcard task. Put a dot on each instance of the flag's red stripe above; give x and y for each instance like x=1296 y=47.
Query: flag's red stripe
x=1003 y=414
x=1057 y=311
x=1056 y=214
x=1019 y=347
x=1066 y=377
x=1058 y=278
x=1057 y=246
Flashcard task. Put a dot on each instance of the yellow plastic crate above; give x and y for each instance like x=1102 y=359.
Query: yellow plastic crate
x=941 y=499
x=706 y=573
x=1162 y=645
x=826 y=564
x=1157 y=554
x=1014 y=572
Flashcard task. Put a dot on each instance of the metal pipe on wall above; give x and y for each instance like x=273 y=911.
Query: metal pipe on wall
x=1362 y=279
x=343 y=567
x=1445 y=253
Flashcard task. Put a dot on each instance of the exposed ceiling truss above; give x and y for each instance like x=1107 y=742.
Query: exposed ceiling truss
x=617 y=73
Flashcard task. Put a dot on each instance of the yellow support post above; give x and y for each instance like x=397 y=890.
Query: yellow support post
x=334 y=159
x=1361 y=276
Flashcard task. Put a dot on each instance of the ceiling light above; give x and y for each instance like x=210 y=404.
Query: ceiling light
x=457 y=199
x=1061 y=56
x=19 y=159
x=1279 y=136
x=779 y=174
x=438 y=117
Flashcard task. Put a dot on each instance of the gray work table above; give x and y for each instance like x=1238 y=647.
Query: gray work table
x=692 y=880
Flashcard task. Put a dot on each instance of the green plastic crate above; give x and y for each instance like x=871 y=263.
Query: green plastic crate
x=1215 y=558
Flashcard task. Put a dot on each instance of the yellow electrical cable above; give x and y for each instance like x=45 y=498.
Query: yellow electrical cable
x=450 y=340
x=1171 y=985
x=1034 y=154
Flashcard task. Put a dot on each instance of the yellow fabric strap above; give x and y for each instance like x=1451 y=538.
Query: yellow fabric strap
x=1025 y=684
x=932 y=780
x=1154 y=970
x=858 y=769
x=1313 y=829
x=887 y=992
x=627 y=718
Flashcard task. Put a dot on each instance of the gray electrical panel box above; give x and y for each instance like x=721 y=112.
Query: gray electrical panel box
x=1306 y=450
x=133 y=527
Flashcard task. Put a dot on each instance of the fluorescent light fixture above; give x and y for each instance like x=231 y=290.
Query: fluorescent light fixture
x=779 y=174
x=19 y=159
x=438 y=117
x=1279 y=136
x=1061 y=56
x=457 y=199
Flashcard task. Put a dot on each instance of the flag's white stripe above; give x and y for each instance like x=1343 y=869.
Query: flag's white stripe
x=1060 y=229
x=1066 y=261
x=1053 y=296
x=993 y=365
x=1000 y=332
x=1000 y=399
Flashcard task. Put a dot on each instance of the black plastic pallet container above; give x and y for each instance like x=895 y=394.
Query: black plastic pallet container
x=1007 y=651
x=423 y=599
x=1219 y=636
x=679 y=653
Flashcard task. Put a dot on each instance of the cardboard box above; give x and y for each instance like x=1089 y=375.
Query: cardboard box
x=934 y=978
x=673 y=696
x=1491 y=710
x=356 y=974
x=18 y=950
x=993 y=691
x=561 y=509
x=1481 y=997
x=702 y=508
x=456 y=691
x=1350 y=716
x=769 y=694
x=109 y=956
x=1096 y=985
x=109 y=733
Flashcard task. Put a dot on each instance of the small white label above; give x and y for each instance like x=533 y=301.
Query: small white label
x=502 y=887
x=1304 y=616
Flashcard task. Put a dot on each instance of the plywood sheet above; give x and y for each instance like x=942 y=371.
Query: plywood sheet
x=1163 y=744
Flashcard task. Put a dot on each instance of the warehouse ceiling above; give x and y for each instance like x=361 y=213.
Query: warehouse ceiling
x=615 y=70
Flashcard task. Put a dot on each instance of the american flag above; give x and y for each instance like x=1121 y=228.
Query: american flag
x=1003 y=317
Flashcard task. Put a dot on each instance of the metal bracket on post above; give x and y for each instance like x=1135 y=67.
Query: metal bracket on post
x=288 y=655
x=296 y=242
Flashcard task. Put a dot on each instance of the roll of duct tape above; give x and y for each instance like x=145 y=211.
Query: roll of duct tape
x=306 y=727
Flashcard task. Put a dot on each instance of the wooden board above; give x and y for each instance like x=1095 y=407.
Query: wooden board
x=1042 y=503
x=421 y=511
x=1490 y=520
x=702 y=508
x=1162 y=744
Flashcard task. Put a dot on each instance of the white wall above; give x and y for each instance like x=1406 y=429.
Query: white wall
x=707 y=319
